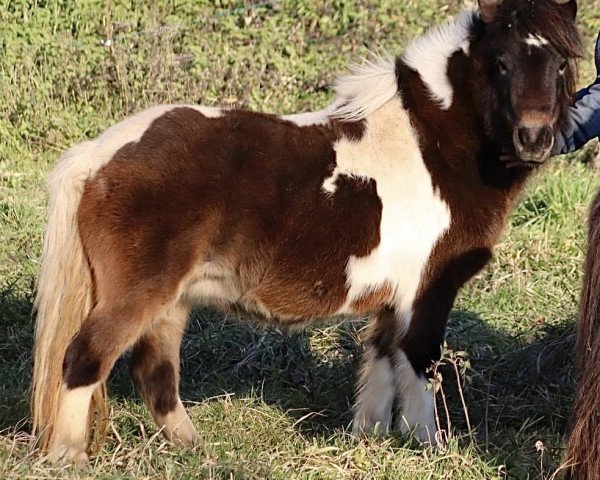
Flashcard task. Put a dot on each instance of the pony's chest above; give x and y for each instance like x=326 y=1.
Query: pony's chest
x=413 y=216
x=413 y=219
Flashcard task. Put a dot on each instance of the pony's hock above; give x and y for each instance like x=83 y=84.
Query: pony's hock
x=383 y=203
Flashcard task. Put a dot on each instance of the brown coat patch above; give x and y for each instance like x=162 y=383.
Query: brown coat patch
x=584 y=440
x=243 y=189
x=373 y=300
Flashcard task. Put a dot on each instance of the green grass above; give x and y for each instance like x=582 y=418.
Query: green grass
x=271 y=404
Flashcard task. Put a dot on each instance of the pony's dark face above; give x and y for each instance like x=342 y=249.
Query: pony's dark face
x=527 y=56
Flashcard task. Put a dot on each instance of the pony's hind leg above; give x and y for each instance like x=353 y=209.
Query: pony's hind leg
x=104 y=336
x=155 y=372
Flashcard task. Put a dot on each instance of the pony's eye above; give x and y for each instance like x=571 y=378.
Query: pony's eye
x=563 y=67
x=502 y=68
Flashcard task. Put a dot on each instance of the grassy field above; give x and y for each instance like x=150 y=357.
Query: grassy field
x=272 y=404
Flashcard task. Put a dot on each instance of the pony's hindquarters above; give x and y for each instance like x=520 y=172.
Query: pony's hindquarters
x=64 y=292
x=583 y=450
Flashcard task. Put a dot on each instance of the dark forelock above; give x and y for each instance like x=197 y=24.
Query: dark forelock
x=545 y=18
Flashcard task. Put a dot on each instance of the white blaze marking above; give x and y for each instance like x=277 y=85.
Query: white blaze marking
x=536 y=41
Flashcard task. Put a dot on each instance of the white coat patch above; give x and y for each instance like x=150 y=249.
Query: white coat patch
x=320 y=117
x=209 y=112
x=413 y=218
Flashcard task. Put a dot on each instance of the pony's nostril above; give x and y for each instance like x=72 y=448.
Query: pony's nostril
x=533 y=143
x=534 y=136
x=547 y=137
x=523 y=136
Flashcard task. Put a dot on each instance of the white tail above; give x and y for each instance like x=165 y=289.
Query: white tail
x=64 y=288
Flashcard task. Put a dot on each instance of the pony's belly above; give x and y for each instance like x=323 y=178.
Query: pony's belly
x=224 y=294
x=282 y=303
x=218 y=292
x=212 y=284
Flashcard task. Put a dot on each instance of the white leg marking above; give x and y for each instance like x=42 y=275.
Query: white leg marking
x=416 y=410
x=70 y=430
x=376 y=391
x=178 y=427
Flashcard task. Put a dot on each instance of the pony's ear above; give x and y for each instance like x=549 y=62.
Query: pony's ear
x=488 y=9
x=570 y=5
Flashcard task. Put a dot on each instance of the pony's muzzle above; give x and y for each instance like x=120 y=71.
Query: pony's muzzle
x=533 y=143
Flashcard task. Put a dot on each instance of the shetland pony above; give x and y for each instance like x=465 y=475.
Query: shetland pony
x=384 y=204
x=583 y=448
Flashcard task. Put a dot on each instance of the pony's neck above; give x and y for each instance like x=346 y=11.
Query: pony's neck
x=432 y=57
x=455 y=141
x=438 y=84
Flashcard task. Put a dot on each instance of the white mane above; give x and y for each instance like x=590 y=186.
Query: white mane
x=369 y=86
x=429 y=54
x=366 y=88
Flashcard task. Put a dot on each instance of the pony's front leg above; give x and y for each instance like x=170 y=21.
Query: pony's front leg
x=377 y=384
x=416 y=411
x=420 y=346
x=394 y=368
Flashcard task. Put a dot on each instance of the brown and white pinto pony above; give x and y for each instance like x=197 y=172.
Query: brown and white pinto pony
x=583 y=449
x=384 y=203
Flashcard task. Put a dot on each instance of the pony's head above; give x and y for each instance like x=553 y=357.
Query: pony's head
x=526 y=54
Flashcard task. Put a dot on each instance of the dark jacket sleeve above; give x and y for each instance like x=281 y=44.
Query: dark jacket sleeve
x=583 y=122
